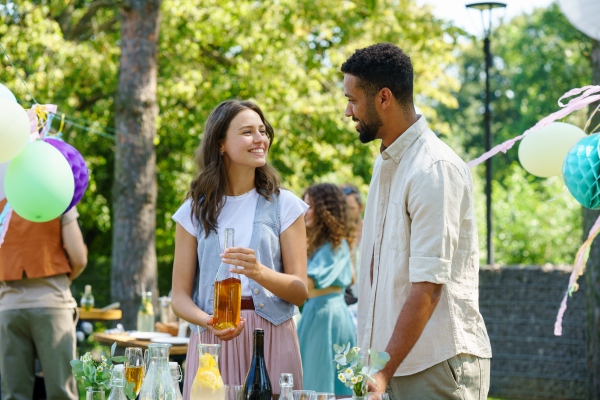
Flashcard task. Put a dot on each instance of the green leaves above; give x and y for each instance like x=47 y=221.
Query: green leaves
x=112 y=349
x=119 y=359
x=129 y=391
x=354 y=369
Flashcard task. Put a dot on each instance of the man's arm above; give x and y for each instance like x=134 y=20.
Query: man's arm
x=421 y=302
x=75 y=247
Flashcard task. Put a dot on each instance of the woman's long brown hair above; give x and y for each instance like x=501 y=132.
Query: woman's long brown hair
x=331 y=217
x=208 y=189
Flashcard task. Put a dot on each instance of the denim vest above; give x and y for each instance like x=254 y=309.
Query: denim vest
x=266 y=245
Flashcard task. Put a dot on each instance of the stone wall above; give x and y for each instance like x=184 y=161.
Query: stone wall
x=519 y=306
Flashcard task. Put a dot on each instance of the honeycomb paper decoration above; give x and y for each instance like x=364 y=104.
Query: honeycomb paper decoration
x=581 y=171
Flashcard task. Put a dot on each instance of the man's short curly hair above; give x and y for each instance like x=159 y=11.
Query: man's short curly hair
x=382 y=65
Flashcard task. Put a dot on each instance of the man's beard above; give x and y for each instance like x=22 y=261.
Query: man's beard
x=369 y=125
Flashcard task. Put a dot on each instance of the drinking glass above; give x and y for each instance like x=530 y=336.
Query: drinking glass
x=378 y=396
x=134 y=368
x=234 y=392
x=327 y=396
x=304 y=395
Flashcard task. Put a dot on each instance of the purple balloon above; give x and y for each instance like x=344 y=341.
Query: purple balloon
x=77 y=163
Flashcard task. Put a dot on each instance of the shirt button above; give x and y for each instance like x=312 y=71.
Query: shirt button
x=256 y=291
x=261 y=305
x=397 y=158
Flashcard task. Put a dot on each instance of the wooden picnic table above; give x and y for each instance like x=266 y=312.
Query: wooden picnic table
x=124 y=340
x=96 y=314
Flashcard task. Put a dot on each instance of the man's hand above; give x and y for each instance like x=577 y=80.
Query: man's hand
x=380 y=383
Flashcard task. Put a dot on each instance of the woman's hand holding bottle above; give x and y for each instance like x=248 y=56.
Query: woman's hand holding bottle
x=245 y=258
x=226 y=334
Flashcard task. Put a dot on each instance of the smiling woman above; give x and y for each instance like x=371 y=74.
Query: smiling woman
x=236 y=188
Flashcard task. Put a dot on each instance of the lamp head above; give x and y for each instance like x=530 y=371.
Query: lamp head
x=486 y=5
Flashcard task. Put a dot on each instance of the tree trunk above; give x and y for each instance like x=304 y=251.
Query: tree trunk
x=592 y=272
x=134 y=191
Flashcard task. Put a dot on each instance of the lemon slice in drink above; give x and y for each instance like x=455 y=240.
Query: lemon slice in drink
x=209 y=379
x=207 y=361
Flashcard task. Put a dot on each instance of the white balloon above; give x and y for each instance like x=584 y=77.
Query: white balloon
x=543 y=152
x=3 y=167
x=583 y=15
x=14 y=129
x=5 y=93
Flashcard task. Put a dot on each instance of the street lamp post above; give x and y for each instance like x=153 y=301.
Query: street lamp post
x=488 y=118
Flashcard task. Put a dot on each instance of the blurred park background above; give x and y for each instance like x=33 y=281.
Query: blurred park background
x=286 y=56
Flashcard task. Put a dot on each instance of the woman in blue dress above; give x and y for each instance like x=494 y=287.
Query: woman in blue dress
x=325 y=317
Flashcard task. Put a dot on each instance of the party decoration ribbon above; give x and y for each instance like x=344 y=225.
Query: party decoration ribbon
x=5 y=216
x=40 y=118
x=577 y=272
x=575 y=104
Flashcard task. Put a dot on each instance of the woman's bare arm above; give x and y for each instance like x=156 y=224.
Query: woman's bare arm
x=184 y=272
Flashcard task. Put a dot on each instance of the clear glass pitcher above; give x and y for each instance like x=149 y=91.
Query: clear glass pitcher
x=158 y=384
x=208 y=384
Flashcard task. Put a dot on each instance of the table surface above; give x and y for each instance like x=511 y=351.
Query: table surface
x=96 y=314
x=123 y=340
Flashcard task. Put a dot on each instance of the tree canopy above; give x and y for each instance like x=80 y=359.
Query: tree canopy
x=283 y=54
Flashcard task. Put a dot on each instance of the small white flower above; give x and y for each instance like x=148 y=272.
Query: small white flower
x=103 y=364
x=354 y=380
x=103 y=359
x=349 y=372
x=359 y=378
x=100 y=368
x=342 y=378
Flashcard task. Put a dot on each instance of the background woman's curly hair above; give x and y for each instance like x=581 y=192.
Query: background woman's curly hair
x=331 y=217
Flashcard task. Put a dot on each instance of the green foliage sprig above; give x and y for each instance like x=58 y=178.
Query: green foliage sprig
x=96 y=373
x=354 y=368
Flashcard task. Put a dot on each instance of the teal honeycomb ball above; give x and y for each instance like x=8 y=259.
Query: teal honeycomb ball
x=581 y=171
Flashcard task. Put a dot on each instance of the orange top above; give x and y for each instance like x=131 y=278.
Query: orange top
x=35 y=248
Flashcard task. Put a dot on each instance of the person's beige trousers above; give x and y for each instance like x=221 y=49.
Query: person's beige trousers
x=464 y=377
x=49 y=334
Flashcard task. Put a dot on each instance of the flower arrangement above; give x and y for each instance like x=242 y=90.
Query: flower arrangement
x=355 y=369
x=96 y=372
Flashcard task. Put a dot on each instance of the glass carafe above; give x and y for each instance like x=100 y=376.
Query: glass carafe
x=208 y=384
x=145 y=316
x=158 y=384
x=118 y=383
x=228 y=292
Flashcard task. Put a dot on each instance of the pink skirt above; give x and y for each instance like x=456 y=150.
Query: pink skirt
x=282 y=353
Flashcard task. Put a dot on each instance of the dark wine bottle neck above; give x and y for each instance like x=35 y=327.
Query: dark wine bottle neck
x=259 y=345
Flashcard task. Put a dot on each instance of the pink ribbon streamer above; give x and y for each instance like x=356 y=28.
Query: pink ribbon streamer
x=573 y=105
x=574 y=275
x=5 y=224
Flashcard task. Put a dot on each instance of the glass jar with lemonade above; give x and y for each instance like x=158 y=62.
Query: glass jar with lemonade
x=208 y=384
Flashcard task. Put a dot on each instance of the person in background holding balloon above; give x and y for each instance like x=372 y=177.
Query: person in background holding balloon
x=325 y=317
x=236 y=188
x=38 y=314
x=38 y=260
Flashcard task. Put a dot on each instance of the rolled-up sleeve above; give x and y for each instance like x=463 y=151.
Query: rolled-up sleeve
x=437 y=203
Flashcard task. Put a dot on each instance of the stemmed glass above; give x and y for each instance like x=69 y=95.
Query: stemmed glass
x=234 y=392
x=327 y=396
x=378 y=396
x=134 y=368
x=304 y=395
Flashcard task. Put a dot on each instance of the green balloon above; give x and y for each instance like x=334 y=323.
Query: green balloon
x=39 y=183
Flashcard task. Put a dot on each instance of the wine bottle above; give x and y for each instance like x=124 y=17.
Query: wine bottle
x=258 y=384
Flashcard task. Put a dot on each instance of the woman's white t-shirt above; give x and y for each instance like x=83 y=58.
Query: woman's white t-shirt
x=238 y=213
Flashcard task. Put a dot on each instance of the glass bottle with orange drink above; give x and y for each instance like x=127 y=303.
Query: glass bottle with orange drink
x=228 y=293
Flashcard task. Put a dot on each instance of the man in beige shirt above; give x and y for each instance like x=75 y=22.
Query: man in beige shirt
x=419 y=275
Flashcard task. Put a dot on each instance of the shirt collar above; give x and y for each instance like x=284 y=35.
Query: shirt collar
x=397 y=149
